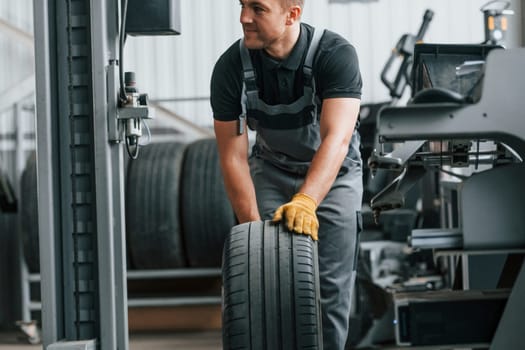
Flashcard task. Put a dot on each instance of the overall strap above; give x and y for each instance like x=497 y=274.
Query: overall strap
x=249 y=85
x=248 y=73
x=308 y=69
x=310 y=55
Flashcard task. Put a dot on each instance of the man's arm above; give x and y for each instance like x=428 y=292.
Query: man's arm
x=233 y=154
x=338 y=119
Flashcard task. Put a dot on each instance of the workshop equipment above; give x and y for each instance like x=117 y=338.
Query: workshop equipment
x=444 y=75
x=496 y=116
x=456 y=319
x=404 y=50
x=495 y=21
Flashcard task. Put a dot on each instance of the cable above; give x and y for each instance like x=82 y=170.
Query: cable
x=135 y=154
x=451 y=173
x=122 y=38
x=123 y=98
x=148 y=131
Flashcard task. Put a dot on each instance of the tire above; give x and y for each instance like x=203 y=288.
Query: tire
x=29 y=215
x=270 y=289
x=8 y=200
x=207 y=216
x=152 y=207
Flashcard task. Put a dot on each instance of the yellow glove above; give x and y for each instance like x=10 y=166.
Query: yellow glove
x=300 y=215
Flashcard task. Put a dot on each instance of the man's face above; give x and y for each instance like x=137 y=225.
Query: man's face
x=263 y=22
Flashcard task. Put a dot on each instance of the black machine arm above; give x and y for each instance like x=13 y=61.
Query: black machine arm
x=404 y=49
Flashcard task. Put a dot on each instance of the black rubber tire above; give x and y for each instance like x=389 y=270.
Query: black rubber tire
x=152 y=207
x=270 y=289
x=29 y=215
x=8 y=200
x=207 y=216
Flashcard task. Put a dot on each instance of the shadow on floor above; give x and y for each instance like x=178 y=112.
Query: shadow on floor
x=209 y=340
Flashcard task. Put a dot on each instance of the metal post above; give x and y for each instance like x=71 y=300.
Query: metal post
x=19 y=164
x=522 y=23
x=109 y=178
x=80 y=177
x=52 y=318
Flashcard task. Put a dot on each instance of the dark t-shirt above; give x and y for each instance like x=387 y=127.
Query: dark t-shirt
x=336 y=74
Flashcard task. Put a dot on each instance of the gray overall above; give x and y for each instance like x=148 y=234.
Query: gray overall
x=287 y=138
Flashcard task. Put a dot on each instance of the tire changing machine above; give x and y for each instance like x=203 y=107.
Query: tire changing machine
x=490 y=223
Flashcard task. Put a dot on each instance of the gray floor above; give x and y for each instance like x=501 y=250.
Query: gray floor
x=210 y=340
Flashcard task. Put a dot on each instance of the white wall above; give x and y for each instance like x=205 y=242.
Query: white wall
x=179 y=67
x=16 y=55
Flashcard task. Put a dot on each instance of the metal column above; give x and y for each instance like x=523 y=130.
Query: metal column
x=523 y=23
x=80 y=176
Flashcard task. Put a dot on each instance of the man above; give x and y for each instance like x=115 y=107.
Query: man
x=300 y=90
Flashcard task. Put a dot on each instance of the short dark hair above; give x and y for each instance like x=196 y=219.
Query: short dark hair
x=293 y=3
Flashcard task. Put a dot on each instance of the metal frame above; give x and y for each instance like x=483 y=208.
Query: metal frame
x=110 y=165
x=32 y=305
x=522 y=22
x=492 y=117
x=12 y=148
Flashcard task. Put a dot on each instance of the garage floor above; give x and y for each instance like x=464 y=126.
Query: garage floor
x=209 y=340
x=204 y=340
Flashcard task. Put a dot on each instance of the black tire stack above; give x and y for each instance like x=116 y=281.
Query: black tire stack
x=206 y=213
x=177 y=211
x=270 y=289
x=29 y=215
x=152 y=207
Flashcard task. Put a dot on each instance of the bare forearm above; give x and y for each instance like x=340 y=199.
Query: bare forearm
x=338 y=120
x=325 y=167
x=241 y=191
x=233 y=155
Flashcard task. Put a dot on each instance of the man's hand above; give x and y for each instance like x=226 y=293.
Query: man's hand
x=299 y=214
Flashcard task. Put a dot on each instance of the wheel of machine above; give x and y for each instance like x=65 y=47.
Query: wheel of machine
x=207 y=215
x=152 y=207
x=29 y=215
x=270 y=289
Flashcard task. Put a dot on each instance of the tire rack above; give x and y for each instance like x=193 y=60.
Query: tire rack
x=30 y=305
x=22 y=116
x=81 y=182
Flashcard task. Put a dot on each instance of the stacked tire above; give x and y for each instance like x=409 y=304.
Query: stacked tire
x=152 y=207
x=29 y=215
x=177 y=211
x=207 y=216
x=270 y=289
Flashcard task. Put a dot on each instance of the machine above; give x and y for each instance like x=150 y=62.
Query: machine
x=442 y=130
